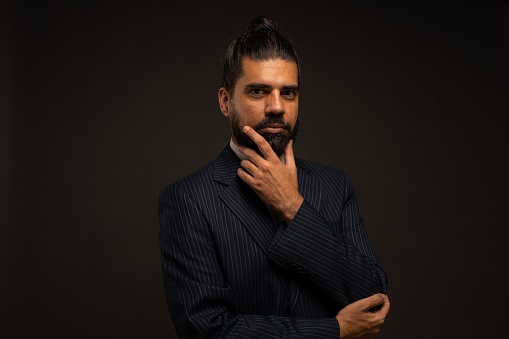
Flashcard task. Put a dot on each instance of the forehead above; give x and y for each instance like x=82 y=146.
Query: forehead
x=274 y=72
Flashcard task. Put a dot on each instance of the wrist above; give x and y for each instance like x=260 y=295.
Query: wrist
x=293 y=209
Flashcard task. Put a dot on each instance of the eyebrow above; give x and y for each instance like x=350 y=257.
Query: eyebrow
x=260 y=85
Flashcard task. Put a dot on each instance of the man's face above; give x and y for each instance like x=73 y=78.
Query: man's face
x=266 y=98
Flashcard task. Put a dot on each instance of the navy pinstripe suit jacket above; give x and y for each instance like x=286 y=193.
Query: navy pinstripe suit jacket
x=229 y=272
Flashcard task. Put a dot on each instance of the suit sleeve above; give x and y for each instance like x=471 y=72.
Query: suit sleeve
x=336 y=256
x=197 y=296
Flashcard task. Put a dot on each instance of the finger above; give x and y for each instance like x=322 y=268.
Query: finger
x=382 y=310
x=260 y=141
x=249 y=166
x=253 y=157
x=245 y=176
x=374 y=300
x=250 y=153
x=289 y=156
x=386 y=306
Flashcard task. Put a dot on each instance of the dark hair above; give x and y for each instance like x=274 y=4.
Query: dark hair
x=261 y=40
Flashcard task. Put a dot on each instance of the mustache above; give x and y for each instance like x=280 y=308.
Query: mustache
x=272 y=119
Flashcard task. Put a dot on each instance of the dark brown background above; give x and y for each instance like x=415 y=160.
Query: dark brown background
x=103 y=104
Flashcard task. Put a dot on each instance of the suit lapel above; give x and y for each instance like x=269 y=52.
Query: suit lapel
x=309 y=187
x=251 y=211
x=243 y=201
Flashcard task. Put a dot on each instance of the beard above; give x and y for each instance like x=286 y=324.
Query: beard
x=278 y=141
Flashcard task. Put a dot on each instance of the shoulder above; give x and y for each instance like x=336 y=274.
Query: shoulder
x=191 y=182
x=205 y=182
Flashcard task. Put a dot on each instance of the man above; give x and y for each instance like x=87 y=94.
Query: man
x=259 y=244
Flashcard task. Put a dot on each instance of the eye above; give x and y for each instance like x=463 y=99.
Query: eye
x=289 y=94
x=256 y=92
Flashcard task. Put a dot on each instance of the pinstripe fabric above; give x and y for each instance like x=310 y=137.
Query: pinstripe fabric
x=228 y=272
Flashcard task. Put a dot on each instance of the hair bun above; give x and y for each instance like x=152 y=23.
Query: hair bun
x=260 y=24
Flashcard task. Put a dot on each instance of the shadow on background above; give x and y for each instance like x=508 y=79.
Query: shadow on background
x=103 y=104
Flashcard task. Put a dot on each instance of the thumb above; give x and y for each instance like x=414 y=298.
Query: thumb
x=374 y=300
x=289 y=156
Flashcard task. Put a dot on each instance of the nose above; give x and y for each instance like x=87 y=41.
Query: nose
x=274 y=104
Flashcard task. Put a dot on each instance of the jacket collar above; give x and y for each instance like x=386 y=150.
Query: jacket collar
x=225 y=166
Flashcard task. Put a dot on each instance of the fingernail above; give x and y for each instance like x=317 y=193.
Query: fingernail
x=246 y=128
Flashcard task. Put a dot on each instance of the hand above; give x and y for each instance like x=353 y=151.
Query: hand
x=356 y=321
x=274 y=182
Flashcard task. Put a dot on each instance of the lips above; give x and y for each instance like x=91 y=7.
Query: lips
x=272 y=128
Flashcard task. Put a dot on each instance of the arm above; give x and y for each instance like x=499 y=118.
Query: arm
x=198 y=298
x=340 y=260
x=338 y=256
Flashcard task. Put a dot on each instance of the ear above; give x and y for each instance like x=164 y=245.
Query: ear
x=224 y=101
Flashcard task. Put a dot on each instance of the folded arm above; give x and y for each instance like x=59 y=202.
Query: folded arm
x=199 y=299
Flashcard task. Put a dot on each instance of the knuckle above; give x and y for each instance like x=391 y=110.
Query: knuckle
x=264 y=167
